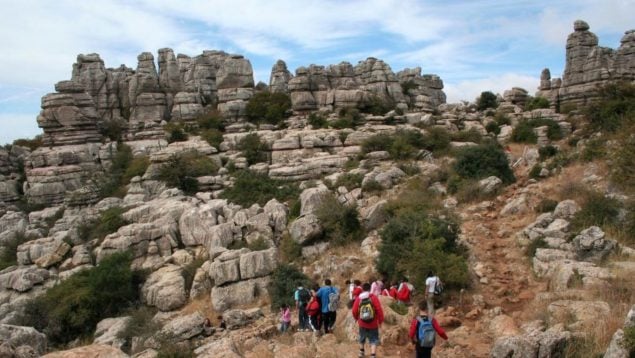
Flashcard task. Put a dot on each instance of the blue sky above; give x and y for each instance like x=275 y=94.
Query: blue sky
x=473 y=45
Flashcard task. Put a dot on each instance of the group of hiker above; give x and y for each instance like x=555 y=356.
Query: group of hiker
x=317 y=310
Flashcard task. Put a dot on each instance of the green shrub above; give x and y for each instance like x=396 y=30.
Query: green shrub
x=317 y=120
x=348 y=118
x=112 y=183
x=404 y=144
x=181 y=170
x=534 y=245
x=593 y=149
x=289 y=250
x=534 y=173
x=175 y=132
x=108 y=222
x=112 y=129
x=493 y=127
x=259 y=244
x=212 y=136
x=9 y=249
x=553 y=129
x=486 y=100
x=253 y=149
x=72 y=308
x=524 y=133
x=284 y=281
x=622 y=168
x=410 y=168
x=349 y=180
x=399 y=308
x=408 y=85
x=482 y=161
x=340 y=224
x=210 y=120
x=372 y=186
x=141 y=324
x=536 y=102
x=189 y=271
x=546 y=205
x=268 y=107
x=614 y=109
x=596 y=209
x=468 y=191
x=250 y=187
x=378 y=142
x=629 y=340
x=547 y=151
x=377 y=106
x=413 y=243
x=471 y=135
x=437 y=140
x=33 y=143
x=502 y=119
x=136 y=167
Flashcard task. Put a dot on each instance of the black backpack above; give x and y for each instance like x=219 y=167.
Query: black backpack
x=304 y=296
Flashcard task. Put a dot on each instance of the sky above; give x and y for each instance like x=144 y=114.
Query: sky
x=473 y=45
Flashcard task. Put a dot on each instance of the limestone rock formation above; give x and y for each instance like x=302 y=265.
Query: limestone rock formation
x=344 y=86
x=588 y=66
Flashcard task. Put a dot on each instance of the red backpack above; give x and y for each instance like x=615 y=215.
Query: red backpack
x=404 y=293
x=313 y=308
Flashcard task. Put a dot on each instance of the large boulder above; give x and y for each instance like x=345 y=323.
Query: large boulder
x=17 y=336
x=305 y=228
x=258 y=263
x=165 y=288
x=108 y=331
x=23 y=278
x=239 y=293
x=591 y=245
x=184 y=327
x=92 y=351
x=312 y=198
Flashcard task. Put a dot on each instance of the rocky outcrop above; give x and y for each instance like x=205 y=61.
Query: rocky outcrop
x=141 y=99
x=588 y=66
x=93 y=351
x=345 y=86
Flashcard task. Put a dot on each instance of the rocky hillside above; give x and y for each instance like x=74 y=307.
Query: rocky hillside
x=155 y=199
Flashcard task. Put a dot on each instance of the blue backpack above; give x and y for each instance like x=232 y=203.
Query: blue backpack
x=426 y=334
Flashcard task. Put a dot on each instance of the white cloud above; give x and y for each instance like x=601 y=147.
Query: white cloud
x=470 y=89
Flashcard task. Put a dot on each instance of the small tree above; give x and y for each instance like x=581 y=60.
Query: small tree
x=284 y=281
x=268 y=107
x=482 y=161
x=486 y=100
x=254 y=150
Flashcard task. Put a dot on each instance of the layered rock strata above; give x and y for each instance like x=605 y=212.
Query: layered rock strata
x=587 y=67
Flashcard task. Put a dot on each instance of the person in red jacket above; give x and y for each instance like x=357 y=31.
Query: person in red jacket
x=369 y=316
x=421 y=351
x=357 y=289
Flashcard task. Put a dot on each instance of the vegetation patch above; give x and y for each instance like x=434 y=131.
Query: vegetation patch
x=546 y=206
x=486 y=100
x=284 y=280
x=181 y=170
x=340 y=222
x=482 y=161
x=175 y=132
x=533 y=246
x=471 y=135
x=253 y=149
x=349 y=180
x=72 y=308
x=267 y=107
x=615 y=109
x=289 y=250
x=108 y=222
x=251 y=187
x=547 y=151
x=318 y=120
x=536 y=103
x=31 y=143
x=597 y=209
x=524 y=133
x=9 y=249
x=402 y=145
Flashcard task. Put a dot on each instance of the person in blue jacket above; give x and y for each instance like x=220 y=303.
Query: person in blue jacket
x=329 y=300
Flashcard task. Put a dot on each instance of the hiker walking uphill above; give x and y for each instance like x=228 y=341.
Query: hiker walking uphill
x=329 y=300
x=405 y=291
x=434 y=286
x=369 y=315
x=313 y=311
x=302 y=297
x=423 y=331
